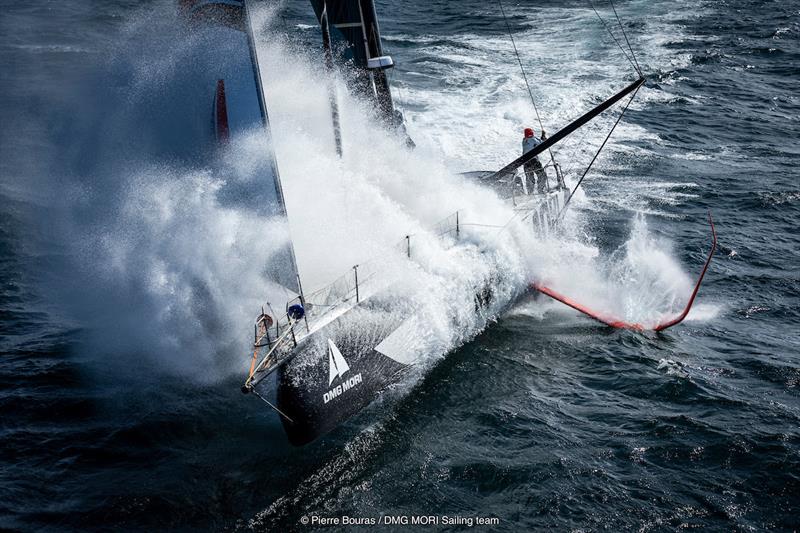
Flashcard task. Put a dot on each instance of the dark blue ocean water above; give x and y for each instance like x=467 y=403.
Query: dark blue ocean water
x=545 y=422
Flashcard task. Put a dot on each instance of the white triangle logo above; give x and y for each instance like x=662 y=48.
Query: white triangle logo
x=337 y=366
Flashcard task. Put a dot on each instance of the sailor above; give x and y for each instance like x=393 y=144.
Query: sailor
x=534 y=171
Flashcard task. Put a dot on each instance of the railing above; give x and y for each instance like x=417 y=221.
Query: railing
x=448 y=226
x=348 y=289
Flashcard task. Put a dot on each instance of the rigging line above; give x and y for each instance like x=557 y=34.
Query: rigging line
x=481 y=225
x=516 y=215
x=254 y=391
x=524 y=76
x=504 y=227
x=572 y=149
x=558 y=217
x=615 y=38
x=624 y=34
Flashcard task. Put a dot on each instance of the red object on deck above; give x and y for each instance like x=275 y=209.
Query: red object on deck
x=221 y=113
x=616 y=323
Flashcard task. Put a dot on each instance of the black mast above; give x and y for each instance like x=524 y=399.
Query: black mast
x=355 y=23
x=383 y=93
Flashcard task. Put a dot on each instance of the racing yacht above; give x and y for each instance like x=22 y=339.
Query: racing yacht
x=320 y=358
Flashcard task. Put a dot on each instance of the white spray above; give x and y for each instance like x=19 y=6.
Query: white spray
x=168 y=272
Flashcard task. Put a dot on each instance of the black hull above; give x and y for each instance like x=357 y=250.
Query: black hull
x=305 y=402
x=344 y=366
x=316 y=398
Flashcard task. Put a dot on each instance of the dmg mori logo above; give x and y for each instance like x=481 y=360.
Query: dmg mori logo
x=337 y=368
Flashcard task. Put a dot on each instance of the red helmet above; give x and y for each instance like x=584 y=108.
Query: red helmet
x=528 y=132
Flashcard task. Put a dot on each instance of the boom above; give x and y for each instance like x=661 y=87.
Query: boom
x=566 y=130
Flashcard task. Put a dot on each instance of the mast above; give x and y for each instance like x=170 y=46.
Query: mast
x=377 y=67
x=354 y=25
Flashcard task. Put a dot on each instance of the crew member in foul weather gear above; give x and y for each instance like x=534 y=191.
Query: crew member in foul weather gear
x=534 y=171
